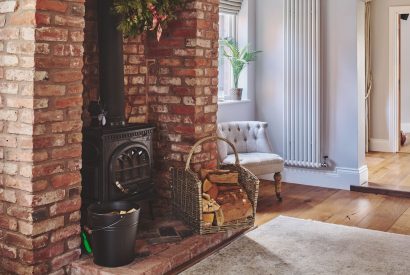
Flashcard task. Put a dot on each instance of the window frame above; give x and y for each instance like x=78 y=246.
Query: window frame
x=223 y=94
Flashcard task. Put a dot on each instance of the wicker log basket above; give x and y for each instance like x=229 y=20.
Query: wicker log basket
x=187 y=193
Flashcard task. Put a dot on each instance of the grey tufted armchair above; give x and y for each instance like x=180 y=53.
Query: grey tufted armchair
x=255 y=152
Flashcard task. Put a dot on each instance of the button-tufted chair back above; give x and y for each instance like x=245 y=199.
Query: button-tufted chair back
x=247 y=136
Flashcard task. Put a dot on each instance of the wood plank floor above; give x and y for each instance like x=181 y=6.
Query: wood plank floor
x=389 y=170
x=371 y=211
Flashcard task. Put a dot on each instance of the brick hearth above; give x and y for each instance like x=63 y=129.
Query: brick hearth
x=48 y=75
x=160 y=252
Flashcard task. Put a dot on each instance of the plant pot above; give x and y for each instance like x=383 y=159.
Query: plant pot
x=236 y=94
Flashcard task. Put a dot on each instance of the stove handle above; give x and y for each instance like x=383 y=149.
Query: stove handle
x=124 y=190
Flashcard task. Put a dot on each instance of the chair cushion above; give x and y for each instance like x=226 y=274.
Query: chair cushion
x=246 y=136
x=258 y=163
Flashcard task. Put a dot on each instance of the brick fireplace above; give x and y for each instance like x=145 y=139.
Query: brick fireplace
x=49 y=75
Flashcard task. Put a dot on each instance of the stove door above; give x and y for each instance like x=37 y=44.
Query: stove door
x=129 y=171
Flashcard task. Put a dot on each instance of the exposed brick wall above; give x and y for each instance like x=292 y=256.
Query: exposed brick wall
x=183 y=98
x=16 y=129
x=134 y=69
x=48 y=72
x=57 y=131
x=90 y=69
x=41 y=182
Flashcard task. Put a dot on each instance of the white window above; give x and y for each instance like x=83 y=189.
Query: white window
x=227 y=30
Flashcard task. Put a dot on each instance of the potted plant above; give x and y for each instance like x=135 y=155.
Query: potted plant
x=238 y=58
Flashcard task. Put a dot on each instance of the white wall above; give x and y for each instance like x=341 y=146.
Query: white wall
x=342 y=88
x=379 y=126
x=246 y=35
x=405 y=75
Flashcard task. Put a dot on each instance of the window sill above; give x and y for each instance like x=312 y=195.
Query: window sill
x=230 y=102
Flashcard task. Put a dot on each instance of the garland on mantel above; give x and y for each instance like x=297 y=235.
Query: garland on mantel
x=138 y=16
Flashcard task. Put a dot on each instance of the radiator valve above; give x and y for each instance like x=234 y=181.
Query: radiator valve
x=324 y=163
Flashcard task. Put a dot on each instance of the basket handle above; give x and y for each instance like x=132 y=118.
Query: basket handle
x=199 y=142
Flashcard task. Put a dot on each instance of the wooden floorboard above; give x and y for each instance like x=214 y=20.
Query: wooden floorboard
x=386 y=214
x=402 y=224
x=371 y=211
x=389 y=169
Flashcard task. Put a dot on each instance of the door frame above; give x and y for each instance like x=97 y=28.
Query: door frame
x=394 y=76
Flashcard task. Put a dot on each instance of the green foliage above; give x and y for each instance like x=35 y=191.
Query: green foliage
x=138 y=16
x=237 y=57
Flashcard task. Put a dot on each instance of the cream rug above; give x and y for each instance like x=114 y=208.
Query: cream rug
x=293 y=246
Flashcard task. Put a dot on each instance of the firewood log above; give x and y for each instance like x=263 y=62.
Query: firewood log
x=219 y=217
x=219 y=178
x=236 y=211
x=204 y=172
x=213 y=192
x=208 y=217
x=206 y=186
x=229 y=188
x=208 y=204
x=230 y=196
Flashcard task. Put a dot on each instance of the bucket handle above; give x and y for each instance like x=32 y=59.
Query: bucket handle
x=89 y=230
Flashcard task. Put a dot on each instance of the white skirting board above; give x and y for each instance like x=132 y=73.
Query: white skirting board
x=405 y=127
x=340 y=178
x=380 y=145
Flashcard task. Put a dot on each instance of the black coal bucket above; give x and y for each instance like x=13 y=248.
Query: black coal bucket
x=113 y=235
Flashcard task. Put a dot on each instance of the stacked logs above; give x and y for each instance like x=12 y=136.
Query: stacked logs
x=223 y=199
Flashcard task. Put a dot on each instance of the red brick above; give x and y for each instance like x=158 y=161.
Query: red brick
x=47 y=169
x=52 y=5
x=41 y=255
x=65 y=233
x=66 y=76
x=183 y=110
x=16 y=182
x=7 y=222
x=65 y=180
x=16 y=267
x=51 y=34
x=42 y=19
x=48 y=116
x=8 y=251
x=49 y=141
x=65 y=102
x=75 y=88
x=65 y=259
x=76 y=36
x=49 y=90
x=22 y=18
x=22 y=241
x=52 y=62
x=38 y=199
x=66 y=126
x=66 y=206
x=66 y=152
x=38 y=228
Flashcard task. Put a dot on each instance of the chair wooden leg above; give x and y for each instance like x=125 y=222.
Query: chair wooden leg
x=278 y=186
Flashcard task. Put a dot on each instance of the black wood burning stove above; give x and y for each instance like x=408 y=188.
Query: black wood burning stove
x=117 y=157
x=117 y=163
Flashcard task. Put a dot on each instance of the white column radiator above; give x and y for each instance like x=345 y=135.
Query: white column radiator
x=302 y=84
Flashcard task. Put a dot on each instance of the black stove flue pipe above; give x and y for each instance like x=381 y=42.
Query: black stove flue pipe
x=111 y=64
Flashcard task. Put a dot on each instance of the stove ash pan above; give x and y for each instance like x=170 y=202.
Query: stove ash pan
x=117 y=163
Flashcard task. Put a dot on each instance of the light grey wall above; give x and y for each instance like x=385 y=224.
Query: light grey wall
x=379 y=126
x=246 y=35
x=405 y=75
x=342 y=87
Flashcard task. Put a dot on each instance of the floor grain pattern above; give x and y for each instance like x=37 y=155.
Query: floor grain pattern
x=371 y=211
